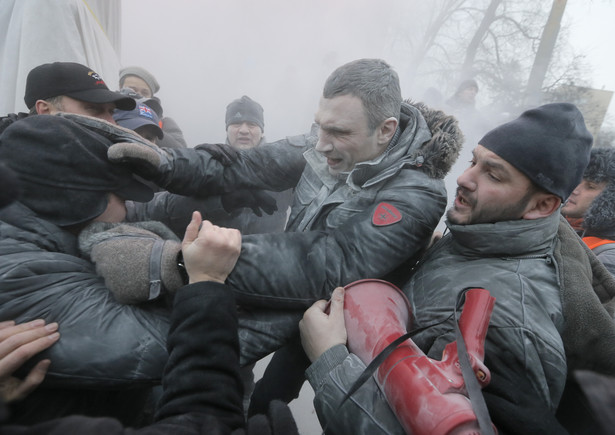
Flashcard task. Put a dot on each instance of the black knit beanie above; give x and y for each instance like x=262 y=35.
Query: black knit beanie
x=245 y=109
x=549 y=144
x=64 y=174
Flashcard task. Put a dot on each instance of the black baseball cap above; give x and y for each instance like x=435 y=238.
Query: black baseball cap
x=73 y=80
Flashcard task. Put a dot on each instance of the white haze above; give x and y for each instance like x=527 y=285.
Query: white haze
x=279 y=52
x=206 y=53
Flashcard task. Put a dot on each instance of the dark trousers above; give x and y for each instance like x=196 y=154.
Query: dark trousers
x=283 y=377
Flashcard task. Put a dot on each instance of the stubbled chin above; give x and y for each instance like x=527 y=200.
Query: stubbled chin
x=455 y=217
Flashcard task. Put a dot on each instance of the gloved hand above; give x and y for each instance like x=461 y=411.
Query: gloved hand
x=144 y=158
x=279 y=420
x=136 y=264
x=225 y=154
x=257 y=200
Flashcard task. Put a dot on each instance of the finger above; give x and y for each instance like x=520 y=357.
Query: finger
x=192 y=230
x=33 y=380
x=337 y=302
x=7 y=324
x=9 y=331
x=207 y=227
x=317 y=307
x=11 y=361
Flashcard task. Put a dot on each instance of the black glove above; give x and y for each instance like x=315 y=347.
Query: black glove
x=257 y=200
x=225 y=154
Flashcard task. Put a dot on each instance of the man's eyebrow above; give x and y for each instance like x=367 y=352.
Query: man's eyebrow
x=496 y=166
x=334 y=129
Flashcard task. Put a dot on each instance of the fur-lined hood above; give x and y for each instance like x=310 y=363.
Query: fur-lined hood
x=441 y=151
x=599 y=220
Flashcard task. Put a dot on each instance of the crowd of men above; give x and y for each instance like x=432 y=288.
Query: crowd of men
x=141 y=278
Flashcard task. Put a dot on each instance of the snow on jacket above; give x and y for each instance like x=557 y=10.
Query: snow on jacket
x=330 y=238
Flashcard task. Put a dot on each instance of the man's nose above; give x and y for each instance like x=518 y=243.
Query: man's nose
x=467 y=179
x=324 y=143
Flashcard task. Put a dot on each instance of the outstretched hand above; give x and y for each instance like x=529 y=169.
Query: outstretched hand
x=320 y=330
x=18 y=343
x=225 y=154
x=210 y=252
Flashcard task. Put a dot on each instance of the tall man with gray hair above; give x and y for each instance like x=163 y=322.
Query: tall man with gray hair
x=371 y=175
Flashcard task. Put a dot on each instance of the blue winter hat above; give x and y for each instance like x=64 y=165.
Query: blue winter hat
x=138 y=117
x=550 y=145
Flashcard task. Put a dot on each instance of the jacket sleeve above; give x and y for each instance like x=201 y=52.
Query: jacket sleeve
x=175 y=211
x=276 y=166
x=102 y=342
x=293 y=269
x=202 y=374
x=607 y=257
x=366 y=411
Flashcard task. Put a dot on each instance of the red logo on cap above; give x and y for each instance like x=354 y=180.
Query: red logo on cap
x=385 y=214
x=95 y=76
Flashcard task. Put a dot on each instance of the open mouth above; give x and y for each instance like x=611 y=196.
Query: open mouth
x=333 y=162
x=461 y=201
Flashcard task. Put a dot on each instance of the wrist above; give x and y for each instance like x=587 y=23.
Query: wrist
x=181 y=268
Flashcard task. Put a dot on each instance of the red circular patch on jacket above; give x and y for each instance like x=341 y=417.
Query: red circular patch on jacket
x=385 y=214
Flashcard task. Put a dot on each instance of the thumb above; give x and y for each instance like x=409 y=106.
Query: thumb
x=192 y=230
x=337 y=302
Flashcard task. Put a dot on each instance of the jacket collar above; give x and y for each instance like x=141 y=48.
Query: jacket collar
x=507 y=238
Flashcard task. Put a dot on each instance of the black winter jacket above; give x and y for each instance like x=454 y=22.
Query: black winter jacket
x=104 y=345
x=202 y=390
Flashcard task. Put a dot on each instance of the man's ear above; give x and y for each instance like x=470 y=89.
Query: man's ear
x=387 y=130
x=543 y=205
x=42 y=107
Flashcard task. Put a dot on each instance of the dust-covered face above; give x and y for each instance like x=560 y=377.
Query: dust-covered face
x=138 y=85
x=244 y=135
x=102 y=111
x=344 y=136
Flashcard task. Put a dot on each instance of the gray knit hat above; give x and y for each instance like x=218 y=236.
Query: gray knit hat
x=549 y=144
x=245 y=109
x=142 y=73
